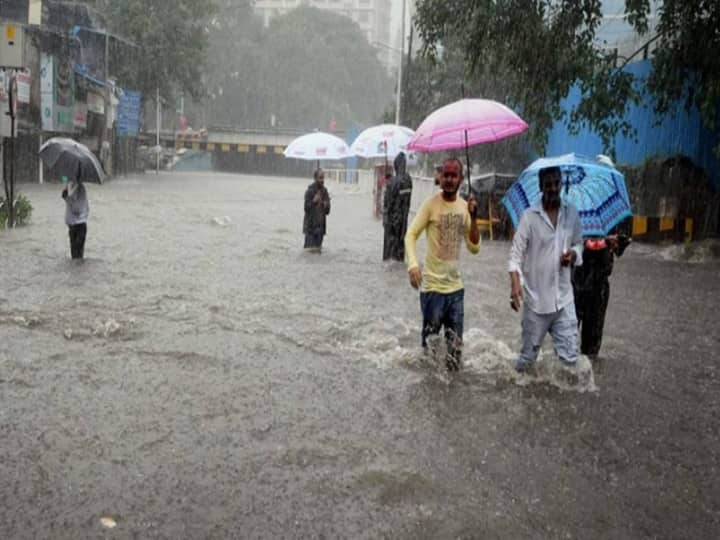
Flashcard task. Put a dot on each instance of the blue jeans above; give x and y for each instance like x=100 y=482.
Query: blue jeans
x=446 y=310
x=562 y=326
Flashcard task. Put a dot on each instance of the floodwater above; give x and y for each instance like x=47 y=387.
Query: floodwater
x=199 y=376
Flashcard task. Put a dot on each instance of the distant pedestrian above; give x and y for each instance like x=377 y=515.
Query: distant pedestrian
x=547 y=244
x=396 y=206
x=77 y=210
x=317 y=207
x=592 y=288
x=446 y=219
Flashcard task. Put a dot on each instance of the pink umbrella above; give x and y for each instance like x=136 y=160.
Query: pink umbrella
x=466 y=123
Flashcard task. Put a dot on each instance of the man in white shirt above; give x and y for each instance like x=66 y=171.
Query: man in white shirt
x=547 y=244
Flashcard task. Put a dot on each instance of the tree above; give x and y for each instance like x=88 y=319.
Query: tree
x=170 y=40
x=233 y=58
x=528 y=54
x=532 y=52
x=308 y=67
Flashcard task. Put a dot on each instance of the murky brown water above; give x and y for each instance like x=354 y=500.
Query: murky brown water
x=203 y=378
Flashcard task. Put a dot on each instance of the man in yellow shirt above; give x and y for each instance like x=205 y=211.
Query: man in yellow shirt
x=446 y=220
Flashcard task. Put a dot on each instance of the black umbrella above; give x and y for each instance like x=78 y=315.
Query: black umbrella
x=69 y=158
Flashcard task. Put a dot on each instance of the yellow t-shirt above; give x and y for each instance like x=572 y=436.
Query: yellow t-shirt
x=445 y=224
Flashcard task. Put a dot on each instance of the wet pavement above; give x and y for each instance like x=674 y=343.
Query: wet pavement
x=199 y=376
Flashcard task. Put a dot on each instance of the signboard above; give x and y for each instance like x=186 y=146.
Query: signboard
x=64 y=95
x=57 y=94
x=47 y=97
x=128 y=121
x=24 y=80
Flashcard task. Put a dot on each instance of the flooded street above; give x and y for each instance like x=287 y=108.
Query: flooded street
x=200 y=376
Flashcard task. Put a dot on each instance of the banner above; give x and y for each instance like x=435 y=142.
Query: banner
x=47 y=96
x=24 y=81
x=128 y=122
x=64 y=95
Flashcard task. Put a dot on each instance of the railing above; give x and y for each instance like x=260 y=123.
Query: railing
x=362 y=179
x=364 y=182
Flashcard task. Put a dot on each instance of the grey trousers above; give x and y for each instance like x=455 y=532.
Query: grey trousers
x=562 y=326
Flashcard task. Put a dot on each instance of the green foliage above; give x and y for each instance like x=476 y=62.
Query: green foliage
x=687 y=63
x=23 y=211
x=528 y=54
x=171 y=39
x=307 y=67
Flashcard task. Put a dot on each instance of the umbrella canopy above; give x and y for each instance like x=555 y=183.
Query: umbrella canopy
x=466 y=123
x=67 y=157
x=597 y=190
x=384 y=140
x=317 y=146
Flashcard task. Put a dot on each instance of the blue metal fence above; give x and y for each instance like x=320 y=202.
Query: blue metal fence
x=678 y=132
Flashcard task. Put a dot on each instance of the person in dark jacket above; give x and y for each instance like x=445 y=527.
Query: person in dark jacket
x=317 y=207
x=592 y=288
x=396 y=206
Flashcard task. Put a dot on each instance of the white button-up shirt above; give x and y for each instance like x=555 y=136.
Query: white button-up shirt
x=535 y=254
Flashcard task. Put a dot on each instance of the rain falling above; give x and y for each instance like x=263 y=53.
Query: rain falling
x=359 y=269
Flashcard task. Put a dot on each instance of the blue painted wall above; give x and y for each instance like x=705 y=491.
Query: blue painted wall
x=678 y=133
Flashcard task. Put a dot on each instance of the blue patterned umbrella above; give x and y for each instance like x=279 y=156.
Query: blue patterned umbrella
x=597 y=191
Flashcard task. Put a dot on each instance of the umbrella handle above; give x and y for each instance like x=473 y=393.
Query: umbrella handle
x=467 y=161
x=467 y=153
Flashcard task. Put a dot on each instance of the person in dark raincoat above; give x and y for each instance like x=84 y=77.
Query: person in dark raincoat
x=592 y=288
x=317 y=207
x=396 y=207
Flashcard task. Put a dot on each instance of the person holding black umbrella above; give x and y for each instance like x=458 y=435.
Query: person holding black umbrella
x=77 y=209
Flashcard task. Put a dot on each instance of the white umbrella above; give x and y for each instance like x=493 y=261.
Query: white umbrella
x=317 y=146
x=384 y=140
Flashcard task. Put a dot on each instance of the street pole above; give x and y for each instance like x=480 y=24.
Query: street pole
x=108 y=109
x=157 y=125
x=398 y=91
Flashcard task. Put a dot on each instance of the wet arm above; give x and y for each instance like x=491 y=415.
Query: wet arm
x=472 y=234
x=577 y=240
x=418 y=225
x=519 y=248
